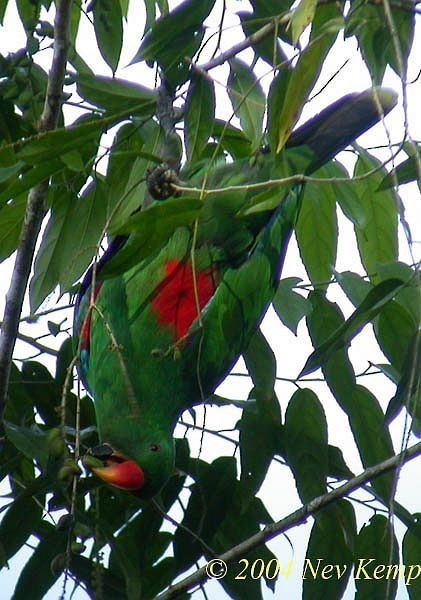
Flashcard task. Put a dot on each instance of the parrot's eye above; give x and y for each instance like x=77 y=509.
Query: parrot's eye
x=154 y=447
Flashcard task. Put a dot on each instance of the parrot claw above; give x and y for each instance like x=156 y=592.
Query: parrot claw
x=161 y=181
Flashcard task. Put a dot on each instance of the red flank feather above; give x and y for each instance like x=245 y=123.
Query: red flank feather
x=176 y=304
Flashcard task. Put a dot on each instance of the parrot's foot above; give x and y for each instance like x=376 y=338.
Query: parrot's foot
x=174 y=351
x=161 y=181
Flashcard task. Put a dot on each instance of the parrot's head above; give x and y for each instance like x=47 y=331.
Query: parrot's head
x=142 y=466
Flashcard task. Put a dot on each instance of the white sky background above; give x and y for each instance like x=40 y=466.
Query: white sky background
x=278 y=492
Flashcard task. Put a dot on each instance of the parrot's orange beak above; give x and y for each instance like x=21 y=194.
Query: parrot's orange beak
x=117 y=470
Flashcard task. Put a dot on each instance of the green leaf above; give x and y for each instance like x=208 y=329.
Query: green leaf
x=63 y=257
x=260 y=422
x=268 y=48
x=32 y=442
x=29 y=13
x=3 y=6
x=90 y=572
x=11 y=218
x=405 y=172
x=337 y=465
x=73 y=160
x=290 y=306
x=51 y=144
x=259 y=441
x=302 y=17
x=247 y=99
x=135 y=149
x=113 y=94
x=317 y=231
x=372 y=437
x=408 y=392
x=409 y=297
x=199 y=116
x=345 y=194
x=74 y=24
x=89 y=213
x=184 y=27
x=185 y=17
x=48 y=260
x=36 y=577
x=11 y=171
x=29 y=178
x=364 y=412
x=43 y=391
x=124 y=7
x=231 y=139
x=242 y=521
x=330 y=553
x=275 y=102
x=261 y=364
x=306 y=443
x=377 y=43
x=64 y=360
x=355 y=287
x=411 y=551
x=378 y=239
x=108 y=24
x=150 y=230
x=159 y=576
x=139 y=572
x=211 y=497
x=18 y=523
x=304 y=75
x=10 y=123
x=372 y=304
x=376 y=549
x=322 y=322
x=19 y=407
x=394 y=330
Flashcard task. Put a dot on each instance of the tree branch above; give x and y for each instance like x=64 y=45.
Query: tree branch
x=251 y=40
x=34 y=342
x=269 y=28
x=296 y=518
x=36 y=205
x=271 y=183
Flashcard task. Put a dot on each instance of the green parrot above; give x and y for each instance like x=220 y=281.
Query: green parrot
x=159 y=338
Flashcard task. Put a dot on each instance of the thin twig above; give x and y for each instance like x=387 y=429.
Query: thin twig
x=34 y=342
x=292 y=520
x=36 y=204
x=189 y=531
x=251 y=40
x=271 y=183
x=33 y=317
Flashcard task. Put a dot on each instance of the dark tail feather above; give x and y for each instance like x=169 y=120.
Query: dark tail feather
x=341 y=123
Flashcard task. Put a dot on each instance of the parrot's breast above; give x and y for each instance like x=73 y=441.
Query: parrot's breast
x=182 y=294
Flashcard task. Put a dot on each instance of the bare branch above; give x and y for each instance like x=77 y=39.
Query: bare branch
x=296 y=518
x=270 y=28
x=36 y=205
x=251 y=40
x=271 y=183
